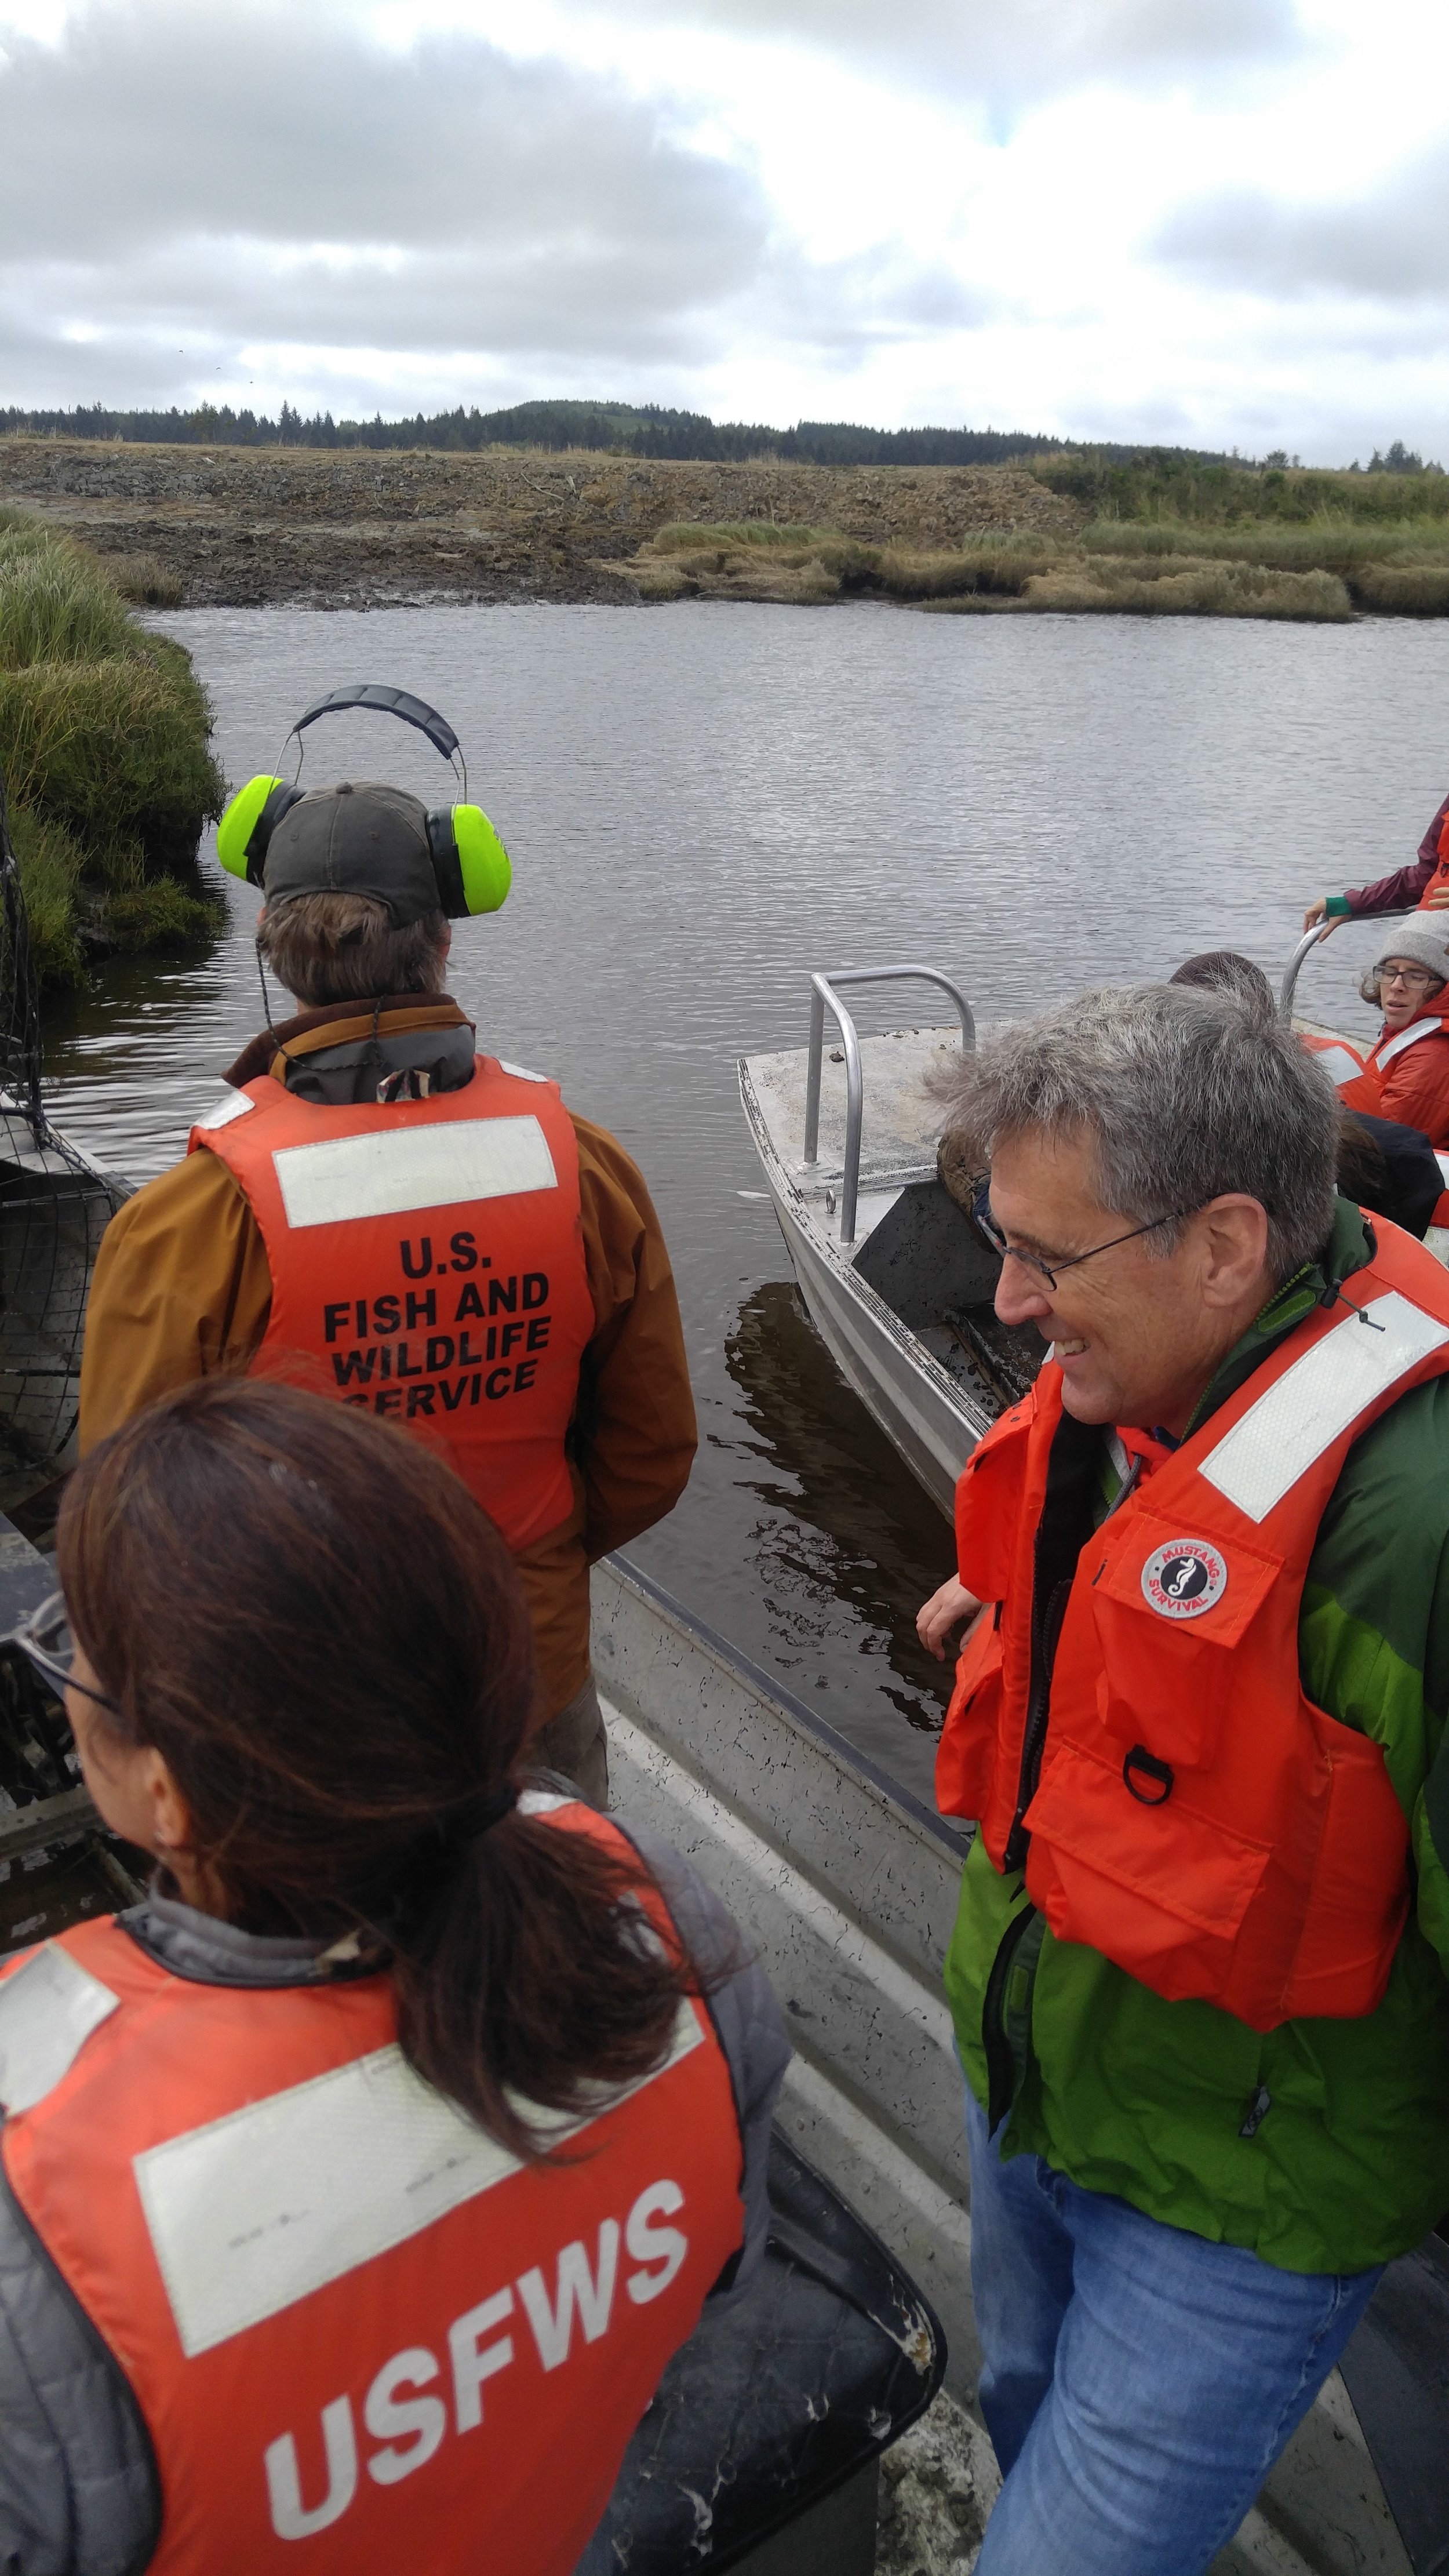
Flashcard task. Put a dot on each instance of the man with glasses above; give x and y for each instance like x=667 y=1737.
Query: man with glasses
x=1198 y=1972
x=1406 y=1073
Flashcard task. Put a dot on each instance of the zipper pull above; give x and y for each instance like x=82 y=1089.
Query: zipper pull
x=1258 y=2110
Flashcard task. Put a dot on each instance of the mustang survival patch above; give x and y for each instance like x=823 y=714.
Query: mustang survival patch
x=1184 y=1578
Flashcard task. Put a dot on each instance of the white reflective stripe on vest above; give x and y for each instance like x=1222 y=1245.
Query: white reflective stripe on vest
x=233 y=1104
x=390 y=1170
x=1383 y=1055
x=48 y=2010
x=1279 y=1437
x=1339 y=1063
x=253 y=2212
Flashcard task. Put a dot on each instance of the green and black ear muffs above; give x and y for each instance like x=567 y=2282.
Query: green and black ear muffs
x=469 y=860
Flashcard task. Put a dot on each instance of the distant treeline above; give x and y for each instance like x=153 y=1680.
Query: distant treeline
x=646 y=430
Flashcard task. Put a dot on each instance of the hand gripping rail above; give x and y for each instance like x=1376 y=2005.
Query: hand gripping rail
x=1310 y=940
x=822 y=991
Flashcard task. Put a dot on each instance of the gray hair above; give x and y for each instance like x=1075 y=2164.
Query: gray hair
x=1185 y=1095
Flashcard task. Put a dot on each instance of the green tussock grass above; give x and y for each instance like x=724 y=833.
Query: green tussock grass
x=1321 y=569
x=55 y=608
x=807 y=566
x=145 y=580
x=1403 y=589
x=1168 y=487
x=1181 y=587
x=52 y=866
x=104 y=748
x=163 y=917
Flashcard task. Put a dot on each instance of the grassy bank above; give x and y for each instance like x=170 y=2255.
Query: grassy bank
x=805 y=567
x=1157 y=533
x=104 y=734
x=1347 y=554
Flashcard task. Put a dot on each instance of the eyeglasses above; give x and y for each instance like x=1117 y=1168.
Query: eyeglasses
x=46 y=1642
x=1417 y=978
x=1050 y=1271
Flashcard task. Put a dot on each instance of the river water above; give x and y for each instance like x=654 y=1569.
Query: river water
x=703 y=803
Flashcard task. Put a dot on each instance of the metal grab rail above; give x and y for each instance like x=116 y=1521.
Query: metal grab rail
x=1310 y=941
x=822 y=991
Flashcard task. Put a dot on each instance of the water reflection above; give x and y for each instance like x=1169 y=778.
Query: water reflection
x=842 y=1519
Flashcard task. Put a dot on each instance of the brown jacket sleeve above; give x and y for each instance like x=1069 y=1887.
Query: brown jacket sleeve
x=181 y=1290
x=634 y=1432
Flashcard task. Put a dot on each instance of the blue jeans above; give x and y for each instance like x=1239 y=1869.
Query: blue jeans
x=1139 y=2382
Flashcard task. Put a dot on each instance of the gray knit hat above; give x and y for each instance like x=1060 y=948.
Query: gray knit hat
x=1423 y=939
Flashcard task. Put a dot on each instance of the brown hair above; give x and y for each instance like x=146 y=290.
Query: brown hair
x=321 y=1632
x=1222 y=970
x=344 y=948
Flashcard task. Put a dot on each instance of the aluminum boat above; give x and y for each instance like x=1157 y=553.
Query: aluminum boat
x=896 y=1279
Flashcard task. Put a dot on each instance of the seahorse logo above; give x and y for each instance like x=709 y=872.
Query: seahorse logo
x=1184 y=1578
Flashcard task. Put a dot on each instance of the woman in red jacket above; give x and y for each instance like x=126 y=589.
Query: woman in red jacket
x=1408 y=1067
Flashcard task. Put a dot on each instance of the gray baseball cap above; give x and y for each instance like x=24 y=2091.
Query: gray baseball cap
x=360 y=838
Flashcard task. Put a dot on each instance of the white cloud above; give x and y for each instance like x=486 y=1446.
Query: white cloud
x=1110 y=217
x=1389 y=246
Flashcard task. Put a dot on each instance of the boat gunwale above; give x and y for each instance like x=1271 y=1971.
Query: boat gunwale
x=838 y=1750
x=911 y=1348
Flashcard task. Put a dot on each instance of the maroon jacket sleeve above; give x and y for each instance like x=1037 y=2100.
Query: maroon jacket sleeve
x=1401 y=891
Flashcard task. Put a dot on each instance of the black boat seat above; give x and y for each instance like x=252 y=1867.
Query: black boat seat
x=771 y=2419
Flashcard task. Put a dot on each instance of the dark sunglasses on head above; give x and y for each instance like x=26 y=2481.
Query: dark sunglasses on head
x=45 y=1640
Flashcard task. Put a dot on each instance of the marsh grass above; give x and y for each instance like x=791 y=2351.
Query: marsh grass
x=1161 y=567
x=144 y=580
x=52 y=866
x=104 y=733
x=1402 y=589
x=759 y=560
x=994 y=566
x=56 y=607
x=1330 y=543
x=1183 y=587
x=162 y=917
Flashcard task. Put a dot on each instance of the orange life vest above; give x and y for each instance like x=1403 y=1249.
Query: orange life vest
x=362 y=2338
x=1440 y=876
x=1177 y=1801
x=427 y=1263
x=1366 y=1089
x=1342 y=1062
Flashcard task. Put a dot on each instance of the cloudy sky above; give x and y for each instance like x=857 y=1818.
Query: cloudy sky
x=1223 y=222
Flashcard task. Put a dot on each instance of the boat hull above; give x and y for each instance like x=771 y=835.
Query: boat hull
x=924 y=1414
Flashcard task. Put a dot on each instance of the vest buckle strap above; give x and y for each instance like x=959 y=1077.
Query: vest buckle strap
x=1160 y=1773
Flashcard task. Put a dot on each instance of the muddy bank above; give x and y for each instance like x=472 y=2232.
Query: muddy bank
x=240 y=527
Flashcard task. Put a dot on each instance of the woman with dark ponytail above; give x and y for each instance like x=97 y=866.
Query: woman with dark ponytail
x=356 y=2187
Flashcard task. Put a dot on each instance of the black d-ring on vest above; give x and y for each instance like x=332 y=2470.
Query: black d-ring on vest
x=1139 y=1759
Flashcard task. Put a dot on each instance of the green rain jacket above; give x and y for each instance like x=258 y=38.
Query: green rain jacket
x=1322 y=2145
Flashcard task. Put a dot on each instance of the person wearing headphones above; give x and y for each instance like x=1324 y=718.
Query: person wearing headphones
x=419 y=1230
x=358 y=2184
